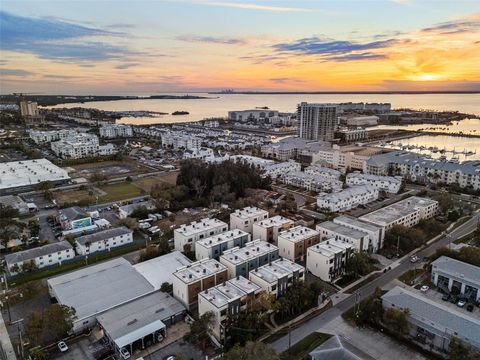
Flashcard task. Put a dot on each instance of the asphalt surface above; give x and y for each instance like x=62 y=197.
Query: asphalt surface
x=404 y=265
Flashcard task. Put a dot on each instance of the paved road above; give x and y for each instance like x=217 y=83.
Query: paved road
x=404 y=265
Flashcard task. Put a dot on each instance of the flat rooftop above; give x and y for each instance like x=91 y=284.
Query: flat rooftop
x=277 y=220
x=29 y=172
x=124 y=322
x=199 y=270
x=298 y=233
x=248 y=212
x=231 y=290
x=346 y=193
x=251 y=250
x=348 y=220
x=33 y=253
x=200 y=226
x=458 y=269
x=393 y=212
x=276 y=270
x=437 y=315
x=160 y=269
x=330 y=247
x=370 y=177
x=95 y=289
x=342 y=230
x=221 y=238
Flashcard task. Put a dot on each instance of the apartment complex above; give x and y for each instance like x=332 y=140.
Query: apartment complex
x=243 y=219
x=40 y=137
x=349 y=135
x=255 y=161
x=39 y=257
x=268 y=229
x=81 y=145
x=457 y=277
x=189 y=234
x=256 y=115
x=177 y=140
x=190 y=280
x=214 y=246
x=359 y=239
x=279 y=169
x=317 y=121
x=421 y=168
x=228 y=298
x=311 y=182
x=407 y=212
x=292 y=148
x=327 y=260
x=17 y=176
x=103 y=240
x=324 y=172
x=240 y=261
x=376 y=234
x=391 y=184
x=113 y=131
x=293 y=243
x=277 y=276
x=348 y=198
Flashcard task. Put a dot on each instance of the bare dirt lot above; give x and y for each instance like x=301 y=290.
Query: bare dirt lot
x=109 y=169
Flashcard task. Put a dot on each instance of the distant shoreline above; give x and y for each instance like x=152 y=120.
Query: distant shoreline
x=341 y=92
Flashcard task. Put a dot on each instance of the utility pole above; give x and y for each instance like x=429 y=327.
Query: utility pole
x=398 y=245
x=289 y=337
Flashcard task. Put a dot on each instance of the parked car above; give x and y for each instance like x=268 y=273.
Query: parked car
x=62 y=346
x=414 y=259
x=461 y=303
x=424 y=288
x=445 y=297
x=124 y=353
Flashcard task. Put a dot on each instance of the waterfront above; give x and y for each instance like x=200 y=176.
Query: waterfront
x=218 y=105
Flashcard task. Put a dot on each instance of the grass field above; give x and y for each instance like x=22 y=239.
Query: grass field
x=305 y=346
x=148 y=182
x=120 y=191
x=70 y=196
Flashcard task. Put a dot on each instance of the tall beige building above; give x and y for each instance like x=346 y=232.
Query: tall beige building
x=28 y=108
x=317 y=121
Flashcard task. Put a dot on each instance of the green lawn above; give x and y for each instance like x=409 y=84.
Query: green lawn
x=305 y=346
x=120 y=191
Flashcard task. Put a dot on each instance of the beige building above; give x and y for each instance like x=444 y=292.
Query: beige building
x=243 y=219
x=268 y=229
x=293 y=243
x=189 y=234
x=190 y=280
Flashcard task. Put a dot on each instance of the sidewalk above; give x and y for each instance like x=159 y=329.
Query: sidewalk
x=5 y=341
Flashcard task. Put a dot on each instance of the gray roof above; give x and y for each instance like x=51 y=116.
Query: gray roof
x=337 y=348
x=95 y=289
x=128 y=318
x=103 y=235
x=457 y=268
x=342 y=230
x=348 y=220
x=435 y=315
x=73 y=213
x=31 y=254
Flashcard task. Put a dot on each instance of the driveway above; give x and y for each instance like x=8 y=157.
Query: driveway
x=182 y=349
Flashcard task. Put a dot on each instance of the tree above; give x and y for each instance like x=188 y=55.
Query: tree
x=140 y=212
x=7 y=232
x=251 y=351
x=166 y=287
x=129 y=222
x=48 y=195
x=44 y=186
x=50 y=324
x=37 y=353
x=200 y=330
x=360 y=264
x=396 y=320
x=97 y=177
x=458 y=350
x=8 y=212
x=33 y=227
x=445 y=201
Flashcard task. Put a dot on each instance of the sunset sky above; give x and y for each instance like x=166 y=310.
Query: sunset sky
x=111 y=46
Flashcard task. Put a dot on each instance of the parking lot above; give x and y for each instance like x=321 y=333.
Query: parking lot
x=180 y=348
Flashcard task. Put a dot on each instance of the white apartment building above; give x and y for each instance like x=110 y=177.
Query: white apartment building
x=328 y=259
x=407 y=212
x=268 y=229
x=81 y=145
x=228 y=298
x=375 y=233
x=113 y=131
x=391 y=184
x=322 y=171
x=348 y=198
x=291 y=148
x=243 y=219
x=359 y=239
x=353 y=135
x=293 y=243
x=317 y=121
x=253 y=115
x=311 y=182
x=345 y=157
x=103 y=240
x=48 y=136
x=40 y=257
x=190 y=280
x=240 y=261
x=421 y=168
x=177 y=140
x=214 y=246
x=278 y=276
x=189 y=234
x=279 y=169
